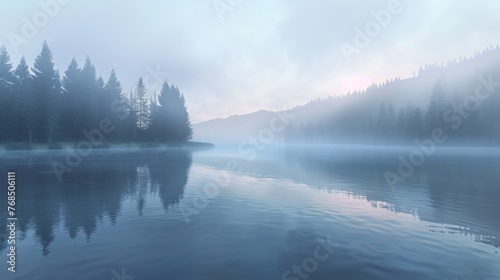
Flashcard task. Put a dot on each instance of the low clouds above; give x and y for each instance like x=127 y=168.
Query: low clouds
x=261 y=55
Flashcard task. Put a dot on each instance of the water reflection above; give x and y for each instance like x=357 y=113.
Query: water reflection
x=457 y=189
x=94 y=191
x=123 y=210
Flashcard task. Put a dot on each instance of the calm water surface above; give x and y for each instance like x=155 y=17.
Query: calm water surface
x=287 y=214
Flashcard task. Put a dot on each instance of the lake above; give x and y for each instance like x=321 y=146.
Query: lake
x=287 y=213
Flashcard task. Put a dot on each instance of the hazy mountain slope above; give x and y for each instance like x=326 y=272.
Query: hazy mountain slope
x=232 y=129
x=460 y=77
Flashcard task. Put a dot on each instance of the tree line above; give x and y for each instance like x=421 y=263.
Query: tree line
x=462 y=99
x=37 y=105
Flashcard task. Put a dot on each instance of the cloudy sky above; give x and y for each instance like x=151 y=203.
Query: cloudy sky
x=239 y=56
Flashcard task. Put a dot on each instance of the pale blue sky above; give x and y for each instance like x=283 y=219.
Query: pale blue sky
x=262 y=55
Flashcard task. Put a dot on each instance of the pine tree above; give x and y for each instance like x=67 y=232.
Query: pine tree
x=98 y=109
x=7 y=79
x=47 y=97
x=415 y=125
x=489 y=116
x=154 y=128
x=130 y=122
x=72 y=97
x=403 y=123
x=89 y=91
x=25 y=119
x=142 y=105
x=6 y=96
x=113 y=99
x=391 y=122
x=437 y=106
x=55 y=128
x=382 y=123
x=185 y=129
x=171 y=122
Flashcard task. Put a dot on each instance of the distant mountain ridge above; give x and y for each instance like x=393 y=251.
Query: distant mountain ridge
x=330 y=113
x=235 y=128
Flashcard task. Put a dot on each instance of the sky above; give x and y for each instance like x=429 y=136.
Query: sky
x=239 y=56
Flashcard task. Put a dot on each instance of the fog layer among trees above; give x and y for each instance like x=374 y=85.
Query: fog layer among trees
x=460 y=97
x=37 y=105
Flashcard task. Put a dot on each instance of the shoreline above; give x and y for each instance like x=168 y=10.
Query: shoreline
x=61 y=146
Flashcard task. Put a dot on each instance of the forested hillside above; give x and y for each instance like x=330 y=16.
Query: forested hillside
x=462 y=97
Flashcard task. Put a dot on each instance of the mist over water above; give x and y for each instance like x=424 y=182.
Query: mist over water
x=128 y=210
x=224 y=139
